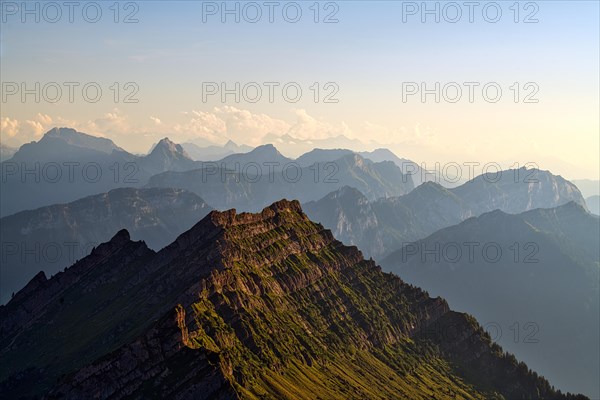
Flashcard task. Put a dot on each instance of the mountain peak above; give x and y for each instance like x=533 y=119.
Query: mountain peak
x=382 y=151
x=428 y=186
x=168 y=154
x=524 y=189
x=72 y=137
x=231 y=144
x=121 y=237
x=284 y=205
x=35 y=282
x=231 y=217
x=168 y=145
x=118 y=241
x=269 y=147
x=260 y=154
x=60 y=132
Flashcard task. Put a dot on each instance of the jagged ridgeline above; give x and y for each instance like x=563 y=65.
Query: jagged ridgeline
x=249 y=306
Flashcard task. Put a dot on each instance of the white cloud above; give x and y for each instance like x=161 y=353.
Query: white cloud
x=157 y=121
x=19 y=132
x=200 y=125
x=243 y=126
x=44 y=119
x=216 y=125
x=307 y=127
x=110 y=123
x=9 y=127
x=32 y=129
x=227 y=122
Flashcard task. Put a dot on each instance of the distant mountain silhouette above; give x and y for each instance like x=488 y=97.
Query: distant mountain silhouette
x=65 y=165
x=407 y=167
x=242 y=188
x=418 y=174
x=316 y=156
x=259 y=155
x=53 y=237
x=381 y=226
x=167 y=156
x=213 y=152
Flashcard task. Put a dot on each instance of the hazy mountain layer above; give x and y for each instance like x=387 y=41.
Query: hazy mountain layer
x=66 y=165
x=381 y=226
x=51 y=238
x=213 y=152
x=532 y=278
x=251 y=187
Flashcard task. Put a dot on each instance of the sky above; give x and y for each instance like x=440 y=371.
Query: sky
x=352 y=68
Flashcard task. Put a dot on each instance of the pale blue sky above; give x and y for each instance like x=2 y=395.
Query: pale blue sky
x=368 y=54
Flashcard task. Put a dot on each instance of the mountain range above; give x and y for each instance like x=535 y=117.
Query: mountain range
x=271 y=305
x=66 y=165
x=295 y=146
x=213 y=152
x=53 y=237
x=408 y=167
x=255 y=184
x=248 y=306
x=383 y=225
x=532 y=278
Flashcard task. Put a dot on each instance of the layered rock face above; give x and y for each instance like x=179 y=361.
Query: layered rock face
x=265 y=305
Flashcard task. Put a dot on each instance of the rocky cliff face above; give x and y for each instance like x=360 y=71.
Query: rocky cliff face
x=265 y=305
